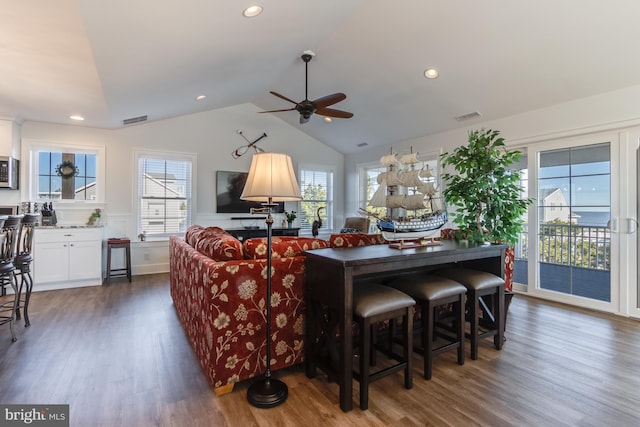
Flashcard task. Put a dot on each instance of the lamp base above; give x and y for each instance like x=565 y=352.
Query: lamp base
x=267 y=393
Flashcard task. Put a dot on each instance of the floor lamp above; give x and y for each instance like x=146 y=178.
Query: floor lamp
x=271 y=179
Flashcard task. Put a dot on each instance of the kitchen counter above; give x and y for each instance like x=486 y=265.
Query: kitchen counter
x=55 y=227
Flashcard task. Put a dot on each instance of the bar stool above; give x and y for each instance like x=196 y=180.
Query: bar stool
x=7 y=248
x=431 y=292
x=481 y=284
x=119 y=272
x=373 y=303
x=22 y=263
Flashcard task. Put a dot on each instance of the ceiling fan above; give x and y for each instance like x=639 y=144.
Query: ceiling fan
x=306 y=108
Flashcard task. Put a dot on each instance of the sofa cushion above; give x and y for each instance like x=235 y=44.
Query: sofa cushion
x=281 y=247
x=192 y=234
x=219 y=245
x=350 y=240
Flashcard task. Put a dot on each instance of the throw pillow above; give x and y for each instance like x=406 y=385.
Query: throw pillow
x=281 y=247
x=219 y=245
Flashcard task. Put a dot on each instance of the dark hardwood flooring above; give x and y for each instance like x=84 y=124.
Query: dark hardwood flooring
x=118 y=356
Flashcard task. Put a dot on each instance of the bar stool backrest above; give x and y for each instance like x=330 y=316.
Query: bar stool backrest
x=10 y=234
x=2 y=220
x=25 y=235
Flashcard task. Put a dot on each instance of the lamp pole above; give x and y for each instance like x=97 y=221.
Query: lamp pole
x=267 y=392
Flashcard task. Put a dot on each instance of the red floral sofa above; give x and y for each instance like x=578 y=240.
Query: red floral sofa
x=218 y=286
x=350 y=240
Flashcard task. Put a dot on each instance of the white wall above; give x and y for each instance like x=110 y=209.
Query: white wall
x=211 y=135
x=612 y=110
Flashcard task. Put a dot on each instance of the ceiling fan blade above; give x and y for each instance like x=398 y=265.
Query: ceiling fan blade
x=331 y=112
x=283 y=97
x=304 y=119
x=277 y=111
x=325 y=101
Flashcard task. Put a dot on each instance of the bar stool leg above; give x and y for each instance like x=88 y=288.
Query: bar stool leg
x=474 y=314
x=427 y=337
x=407 y=343
x=365 y=360
x=128 y=260
x=459 y=307
x=108 y=279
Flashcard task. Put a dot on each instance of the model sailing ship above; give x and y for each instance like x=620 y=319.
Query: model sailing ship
x=408 y=190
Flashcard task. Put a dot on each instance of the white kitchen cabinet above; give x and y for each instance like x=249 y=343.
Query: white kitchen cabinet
x=67 y=257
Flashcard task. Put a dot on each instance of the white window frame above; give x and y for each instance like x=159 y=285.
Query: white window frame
x=329 y=205
x=165 y=156
x=30 y=150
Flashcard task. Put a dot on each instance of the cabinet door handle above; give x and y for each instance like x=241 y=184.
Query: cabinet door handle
x=68 y=235
x=64 y=246
x=71 y=244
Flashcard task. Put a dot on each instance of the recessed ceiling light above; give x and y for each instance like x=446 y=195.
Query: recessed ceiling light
x=431 y=73
x=200 y=97
x=76 y=117
x=252 y=11
x=327 y=119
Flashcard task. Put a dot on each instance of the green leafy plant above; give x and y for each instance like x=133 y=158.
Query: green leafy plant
x=290 y=215
x=94 y=217
x=485 y=192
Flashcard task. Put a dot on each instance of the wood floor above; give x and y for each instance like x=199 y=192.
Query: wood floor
x=117 y=355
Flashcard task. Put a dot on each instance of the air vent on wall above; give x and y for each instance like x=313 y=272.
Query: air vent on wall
x=134 y=120
x=469 y=116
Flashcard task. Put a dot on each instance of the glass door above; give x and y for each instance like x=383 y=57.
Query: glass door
x=581 y=245
x=574 y=217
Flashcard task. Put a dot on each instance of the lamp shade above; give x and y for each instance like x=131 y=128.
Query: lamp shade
x=271 y=177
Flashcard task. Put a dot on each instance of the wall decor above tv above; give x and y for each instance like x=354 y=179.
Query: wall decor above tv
x=229 y=186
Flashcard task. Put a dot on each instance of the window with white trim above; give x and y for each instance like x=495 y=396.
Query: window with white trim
x=163 y=205
x=64 y=173
x=316 y=187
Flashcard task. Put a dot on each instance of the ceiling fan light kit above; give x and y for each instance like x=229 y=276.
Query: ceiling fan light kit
x=307 y=108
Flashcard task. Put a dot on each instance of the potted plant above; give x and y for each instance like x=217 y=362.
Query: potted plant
x=291 y=216
x=485 y=191
x=486 y=194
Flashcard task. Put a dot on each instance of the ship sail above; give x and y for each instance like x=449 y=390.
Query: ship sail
x=394 y=202
x=415 y=208
x=414 y=202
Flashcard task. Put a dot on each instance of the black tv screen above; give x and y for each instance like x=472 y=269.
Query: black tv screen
x=229 y=186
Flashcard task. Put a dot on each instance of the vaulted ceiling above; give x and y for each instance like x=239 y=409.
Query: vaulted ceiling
x=118 y=59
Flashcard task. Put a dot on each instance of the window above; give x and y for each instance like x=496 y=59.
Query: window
x=316 y=186
x=369 y=185
x=164 y=199
x=65 y=173
x=57 y=180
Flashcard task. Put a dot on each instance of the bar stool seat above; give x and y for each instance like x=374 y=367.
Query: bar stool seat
x=431 y=292
x=373 y=303
x=119 y=272
x=481 y=284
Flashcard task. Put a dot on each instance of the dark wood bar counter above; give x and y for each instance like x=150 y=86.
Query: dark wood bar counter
x=331 y=274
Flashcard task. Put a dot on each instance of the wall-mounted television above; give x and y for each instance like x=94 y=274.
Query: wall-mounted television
x=229 y=186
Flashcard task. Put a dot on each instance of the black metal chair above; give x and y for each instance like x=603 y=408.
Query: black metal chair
x=8 y=306
x=22 y=263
